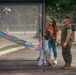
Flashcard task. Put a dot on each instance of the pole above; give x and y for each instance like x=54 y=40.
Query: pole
x=43 y=24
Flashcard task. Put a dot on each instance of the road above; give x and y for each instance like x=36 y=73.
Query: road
x=23 y=62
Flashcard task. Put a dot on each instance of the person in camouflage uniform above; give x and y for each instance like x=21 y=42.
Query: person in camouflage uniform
x=66 y=42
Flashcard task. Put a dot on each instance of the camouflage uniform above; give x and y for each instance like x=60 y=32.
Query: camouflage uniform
x=66 y=52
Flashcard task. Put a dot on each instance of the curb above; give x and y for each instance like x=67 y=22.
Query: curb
x=16 y=49
x=10 y=50
x=73 y=43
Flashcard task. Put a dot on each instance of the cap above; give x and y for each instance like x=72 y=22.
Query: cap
x=65 y=17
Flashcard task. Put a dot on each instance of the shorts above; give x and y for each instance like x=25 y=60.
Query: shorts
x=47 y=55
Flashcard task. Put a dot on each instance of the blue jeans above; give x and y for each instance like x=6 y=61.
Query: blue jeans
x=53 y=46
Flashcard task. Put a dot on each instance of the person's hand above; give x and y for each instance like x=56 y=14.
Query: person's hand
x=58 y=44
x=64 y=45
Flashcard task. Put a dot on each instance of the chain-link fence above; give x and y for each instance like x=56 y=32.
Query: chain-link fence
x=23 y=17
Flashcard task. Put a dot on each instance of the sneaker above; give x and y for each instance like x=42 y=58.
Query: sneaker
x=51 y=66
x=46 y=67
x=55 y=62
x=44 y=62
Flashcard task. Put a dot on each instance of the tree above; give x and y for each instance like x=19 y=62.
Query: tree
x=60 y=7
x=57 y=8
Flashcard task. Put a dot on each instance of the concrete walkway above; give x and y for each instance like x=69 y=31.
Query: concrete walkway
x=23 y=62
x=15 y=63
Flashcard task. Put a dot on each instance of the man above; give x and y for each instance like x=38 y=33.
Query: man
x=66 y=42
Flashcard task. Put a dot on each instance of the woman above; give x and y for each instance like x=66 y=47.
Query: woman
x=52 y=28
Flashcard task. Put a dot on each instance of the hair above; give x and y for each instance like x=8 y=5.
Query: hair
x=54 y=23
x=54 y=26
x=47 y=35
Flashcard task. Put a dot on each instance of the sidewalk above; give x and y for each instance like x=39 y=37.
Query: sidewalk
x=16 y=63
x=73 y=43
x=4 y=42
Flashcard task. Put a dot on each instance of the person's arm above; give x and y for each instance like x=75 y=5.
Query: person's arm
x=67 y=39
x=69 y=33
x=57 y=35
x=57 y=38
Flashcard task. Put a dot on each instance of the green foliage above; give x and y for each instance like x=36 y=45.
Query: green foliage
x=47 y=19
x=61 y=6
x=8 y=47
x=57 y=8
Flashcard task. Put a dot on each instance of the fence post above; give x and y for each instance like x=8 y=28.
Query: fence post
x=74 y=36
x=7 y=30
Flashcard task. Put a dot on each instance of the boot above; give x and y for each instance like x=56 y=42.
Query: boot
x=67 y=67
x=70 y=65
x=64 y=66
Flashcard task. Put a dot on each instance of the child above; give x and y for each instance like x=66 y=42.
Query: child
x=44 y=45
x=46 y=50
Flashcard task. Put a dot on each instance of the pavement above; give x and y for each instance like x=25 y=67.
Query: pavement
x=25 y=36
x=21 y=35
x=21 y=61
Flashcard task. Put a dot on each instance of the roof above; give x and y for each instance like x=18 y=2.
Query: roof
x=22 y=1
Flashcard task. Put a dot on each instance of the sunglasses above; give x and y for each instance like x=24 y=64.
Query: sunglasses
x=51 y=21
x=50 y=25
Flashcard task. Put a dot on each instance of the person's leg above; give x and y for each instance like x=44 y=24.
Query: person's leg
x=50 y=64
x=53 y=45
x=67 y=55
x=63 y=55
x=66 y=52
x=47 y=57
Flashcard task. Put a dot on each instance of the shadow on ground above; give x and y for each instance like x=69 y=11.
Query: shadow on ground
x=30 y=66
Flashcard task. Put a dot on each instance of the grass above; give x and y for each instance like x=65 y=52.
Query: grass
x=8 y=47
